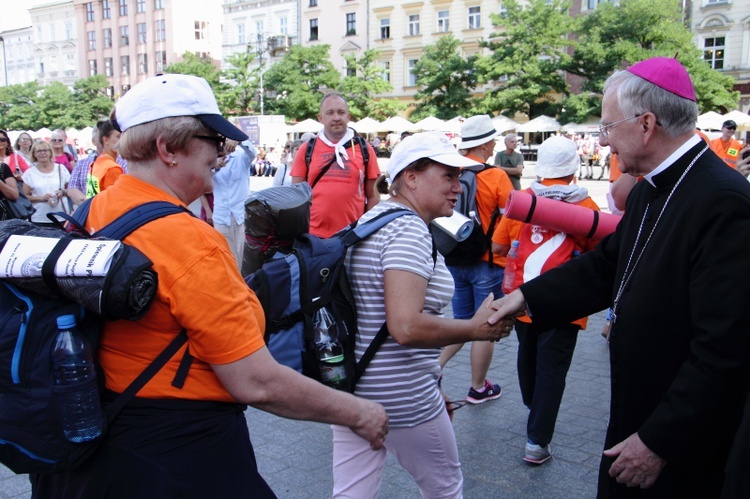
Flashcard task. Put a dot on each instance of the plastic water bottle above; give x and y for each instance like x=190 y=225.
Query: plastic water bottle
x=509 y=277
x=329 y=350
x=80 y=408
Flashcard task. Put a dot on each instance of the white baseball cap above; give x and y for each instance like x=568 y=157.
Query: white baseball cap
x=556 y=158
x=434 y=145
x=172 y=95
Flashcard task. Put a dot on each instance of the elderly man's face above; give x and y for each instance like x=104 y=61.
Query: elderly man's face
x=511 y=144
x=334 y=115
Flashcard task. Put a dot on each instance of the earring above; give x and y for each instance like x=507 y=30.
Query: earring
x=173 y=164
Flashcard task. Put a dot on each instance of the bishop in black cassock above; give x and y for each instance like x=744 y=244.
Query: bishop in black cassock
x=677 y=271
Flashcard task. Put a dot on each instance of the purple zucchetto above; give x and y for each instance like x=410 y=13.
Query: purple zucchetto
x=666 y=73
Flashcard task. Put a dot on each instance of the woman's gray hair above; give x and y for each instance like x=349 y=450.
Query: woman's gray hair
x=635 y=95
x=138 y=143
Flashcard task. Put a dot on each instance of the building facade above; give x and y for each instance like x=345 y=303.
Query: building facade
x=55 y=43
x=130 y=40
x=18 y=56
x=721 y=30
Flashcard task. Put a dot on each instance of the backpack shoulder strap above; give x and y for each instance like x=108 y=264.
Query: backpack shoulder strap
x=364 y=230
x=130 y=220
x=309 y=151
x=365 y=152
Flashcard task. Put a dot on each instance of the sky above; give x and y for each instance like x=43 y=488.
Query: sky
x=15 y=13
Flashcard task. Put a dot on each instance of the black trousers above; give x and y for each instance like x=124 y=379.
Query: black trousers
x=166 y=449
x=543 y=361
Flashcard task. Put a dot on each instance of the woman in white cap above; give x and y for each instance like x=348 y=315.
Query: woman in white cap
x=398 y=278
x=190 y=441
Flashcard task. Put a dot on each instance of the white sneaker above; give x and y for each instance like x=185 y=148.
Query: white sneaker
x=536 y=454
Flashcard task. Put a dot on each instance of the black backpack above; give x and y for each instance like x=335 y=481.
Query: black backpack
x=31 y=435
x=292 y=286
x=309 y=152
x=470 y=250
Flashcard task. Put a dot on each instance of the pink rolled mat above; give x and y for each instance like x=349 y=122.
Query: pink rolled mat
x=561 y=216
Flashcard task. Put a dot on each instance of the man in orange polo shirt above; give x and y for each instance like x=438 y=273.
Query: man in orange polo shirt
x=477 y=279
x=727 y=147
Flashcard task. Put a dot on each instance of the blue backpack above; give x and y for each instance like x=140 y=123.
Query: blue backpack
x=31 y=434
x=293 y=286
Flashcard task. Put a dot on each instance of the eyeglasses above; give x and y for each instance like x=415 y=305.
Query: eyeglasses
x=56 y=140
x=604 y=129
x=216 y=139
x=45 y=151
x=3 y=139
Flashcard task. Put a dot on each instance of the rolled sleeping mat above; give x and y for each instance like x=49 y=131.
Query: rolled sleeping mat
x=558 y=215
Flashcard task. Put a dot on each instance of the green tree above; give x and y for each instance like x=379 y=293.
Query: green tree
x=612 y=37
x=53 y=106
x=90 y=101
x=241 y=95
x=299 y=81
x=526 y=57
x=446 y=80
x=360 y=89
x=18 y=107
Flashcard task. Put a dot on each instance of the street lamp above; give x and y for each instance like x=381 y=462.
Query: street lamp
x=5 y=61
x=260 y=50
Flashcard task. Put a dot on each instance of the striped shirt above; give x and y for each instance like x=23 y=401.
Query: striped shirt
x=402 y=379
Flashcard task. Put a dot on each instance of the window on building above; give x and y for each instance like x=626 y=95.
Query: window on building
x=110 y=91
x=241 y=34
x=89 y=11
x=351 y=69
x=91 y=37
x=92 y=67
x=713 y=52
x=124 y=65
x=283 y=26
x=141 y=32
x=313 y=3
x=140 y=5
x=125 y=89
x=106 y=10
x=161 y=60
x=474 y=17
x=413 y=29
x=142 y=64
x=385 y=28
x=385 y=72
x=313 y=29
x=412 y=79
x=161 y=30
x=158 y=4
x=41 y=67
x=201 y=30
x=442 y=21
x=107 y=35
x=68 y=31
x=593 y=3
x=108 y=69
x=351 y=24
x=52 y=34
x=123 y=7
x=40 y=34
x=124 y=36
x=259 y=28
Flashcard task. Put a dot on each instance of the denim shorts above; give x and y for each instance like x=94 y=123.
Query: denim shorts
x=472 y=285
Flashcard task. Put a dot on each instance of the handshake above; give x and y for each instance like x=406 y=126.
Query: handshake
x=497 y=316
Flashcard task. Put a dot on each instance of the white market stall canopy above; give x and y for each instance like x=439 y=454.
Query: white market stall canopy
x=429 y=124
x=397 y=124
x=589 y=126
x=366 y=125
x=539 y=124
x=504 y=124
x=710 y=121
x=308 y=125
x=738 y=117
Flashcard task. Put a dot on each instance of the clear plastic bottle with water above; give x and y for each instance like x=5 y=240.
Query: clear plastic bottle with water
x=78 y=395
x=509 y=277
x=329 y=350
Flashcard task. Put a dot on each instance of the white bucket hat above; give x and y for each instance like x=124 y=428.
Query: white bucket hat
x=477 y=130
x=557 y=158
x=434 y=145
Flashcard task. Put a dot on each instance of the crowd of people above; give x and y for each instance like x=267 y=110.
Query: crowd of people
x=673 y=278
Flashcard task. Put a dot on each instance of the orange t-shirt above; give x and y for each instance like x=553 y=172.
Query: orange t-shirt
x=104 y=171
x=509 y=231
x=200 y=289
x=614 y=171
x=493 y=189
x=339 y=196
